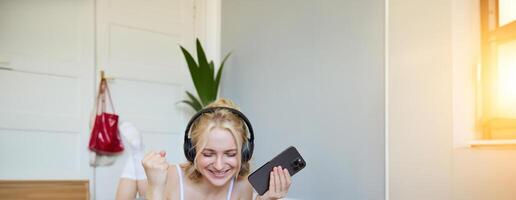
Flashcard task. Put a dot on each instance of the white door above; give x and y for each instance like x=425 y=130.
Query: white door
x=46 y=81
x=50 y=54
x=138 y=45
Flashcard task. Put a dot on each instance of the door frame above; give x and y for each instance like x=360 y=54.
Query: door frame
x=207 y=21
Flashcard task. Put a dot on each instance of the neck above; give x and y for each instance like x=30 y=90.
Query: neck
x=206 y=187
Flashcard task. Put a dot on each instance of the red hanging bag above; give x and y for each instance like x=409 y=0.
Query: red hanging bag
x=105 y=138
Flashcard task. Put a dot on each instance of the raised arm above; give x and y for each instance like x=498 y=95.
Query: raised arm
x=156 y=168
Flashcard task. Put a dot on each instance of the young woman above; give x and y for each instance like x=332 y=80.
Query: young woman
x=218 y=150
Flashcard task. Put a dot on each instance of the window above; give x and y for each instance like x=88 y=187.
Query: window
x=497 y=97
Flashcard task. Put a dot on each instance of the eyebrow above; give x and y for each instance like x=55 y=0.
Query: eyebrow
x=212 y=150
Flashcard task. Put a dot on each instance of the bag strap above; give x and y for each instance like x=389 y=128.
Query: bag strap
x=109 y=95
x=100 y=103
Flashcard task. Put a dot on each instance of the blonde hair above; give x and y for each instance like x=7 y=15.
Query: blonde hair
x=223 y=119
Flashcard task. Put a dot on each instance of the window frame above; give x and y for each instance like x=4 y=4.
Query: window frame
x=492 y=35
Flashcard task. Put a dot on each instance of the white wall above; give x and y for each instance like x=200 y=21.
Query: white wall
x=311 y=74
x=420 y=99
x=466 y=57
x=433 y=51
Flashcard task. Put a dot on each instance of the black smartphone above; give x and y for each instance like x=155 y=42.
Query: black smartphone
x=289 y=159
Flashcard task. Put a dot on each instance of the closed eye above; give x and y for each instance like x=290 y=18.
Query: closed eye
x=207 y=154
x=231 y=154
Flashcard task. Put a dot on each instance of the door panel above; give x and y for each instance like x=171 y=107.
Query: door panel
x=31 y=101
x=153 y=107
x=47 y=89
x=40 y=154
x=138 y=46
x=45 y=36
x=50 y=55
x=133 y=51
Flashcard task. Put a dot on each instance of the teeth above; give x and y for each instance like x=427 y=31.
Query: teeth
x=219 y=173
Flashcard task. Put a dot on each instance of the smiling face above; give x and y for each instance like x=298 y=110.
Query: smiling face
x=218 y=161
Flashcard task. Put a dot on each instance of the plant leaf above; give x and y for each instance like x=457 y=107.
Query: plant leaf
x=219 y=74
x=190 y=104
x=213 y=91
x=196 y=73
x=204 y=88
x=194 y=102
x=205 y=81
x=201 y=56
x=192 y=66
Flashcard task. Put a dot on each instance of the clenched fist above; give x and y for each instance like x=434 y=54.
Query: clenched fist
x=156 y=166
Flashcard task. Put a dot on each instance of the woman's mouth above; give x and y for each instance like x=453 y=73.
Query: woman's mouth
x=219 y=174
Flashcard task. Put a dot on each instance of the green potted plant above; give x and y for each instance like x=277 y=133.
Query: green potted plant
x=203 y=76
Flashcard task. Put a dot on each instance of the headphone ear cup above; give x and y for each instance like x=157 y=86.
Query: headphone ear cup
x=251 y=149
x=247 y=151
x=189 y=150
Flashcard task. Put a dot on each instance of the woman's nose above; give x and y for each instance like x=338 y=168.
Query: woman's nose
x=219 y=163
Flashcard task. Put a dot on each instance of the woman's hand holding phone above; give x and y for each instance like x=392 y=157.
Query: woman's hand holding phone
x=272 y=180
x=279 y=184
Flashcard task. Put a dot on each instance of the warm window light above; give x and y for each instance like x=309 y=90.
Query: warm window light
x=497 y=93
x=506 y=84
x=506 y=11
x=503 y=123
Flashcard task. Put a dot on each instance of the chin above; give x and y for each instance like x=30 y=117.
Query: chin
x=219 y=179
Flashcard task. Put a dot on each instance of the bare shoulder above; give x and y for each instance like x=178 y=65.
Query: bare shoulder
x=172 y=187
x=172 y=177
x=172 y=171
x=243 y=188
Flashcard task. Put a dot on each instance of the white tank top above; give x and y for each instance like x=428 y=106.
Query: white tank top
x=181 y=188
